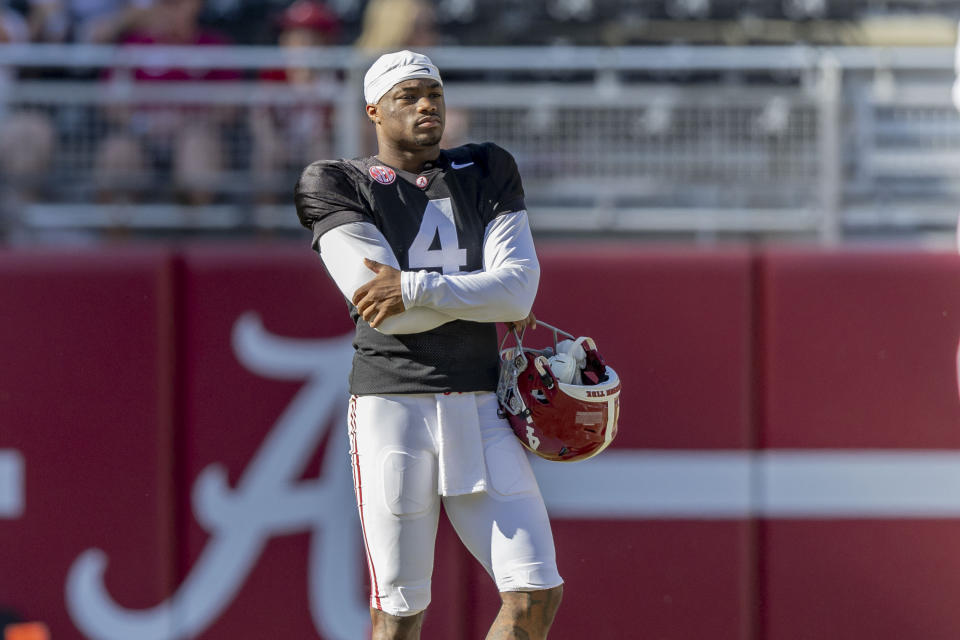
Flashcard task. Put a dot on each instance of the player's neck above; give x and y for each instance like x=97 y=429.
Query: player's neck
x=411 y=161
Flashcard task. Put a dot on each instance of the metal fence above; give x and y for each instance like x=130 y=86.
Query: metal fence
x=695 y=141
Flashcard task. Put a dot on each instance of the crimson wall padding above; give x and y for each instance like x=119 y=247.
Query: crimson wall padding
x=174 y=459
x=859 y=352
x=249 y=320
x=86 y=402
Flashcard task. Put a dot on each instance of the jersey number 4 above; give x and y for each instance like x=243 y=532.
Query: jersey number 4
x=437 y=228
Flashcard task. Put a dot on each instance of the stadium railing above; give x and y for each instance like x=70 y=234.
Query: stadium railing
x=830 y=143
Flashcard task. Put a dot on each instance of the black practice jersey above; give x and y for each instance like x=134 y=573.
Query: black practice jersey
x=476 y=183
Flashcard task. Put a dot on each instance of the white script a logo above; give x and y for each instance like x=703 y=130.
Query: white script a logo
x=268 y=501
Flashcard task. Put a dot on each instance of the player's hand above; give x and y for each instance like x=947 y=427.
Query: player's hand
x=381 y=297
x=530 y=321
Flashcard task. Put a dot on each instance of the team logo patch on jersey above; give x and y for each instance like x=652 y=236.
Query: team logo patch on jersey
x=421 y=182
x=382 y=174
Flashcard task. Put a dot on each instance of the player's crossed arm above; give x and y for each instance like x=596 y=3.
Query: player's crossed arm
x=381 y=297
x=345 y=250
x=409 y=302
x=502 y=291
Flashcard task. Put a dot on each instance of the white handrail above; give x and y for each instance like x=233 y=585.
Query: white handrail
x=555 y=58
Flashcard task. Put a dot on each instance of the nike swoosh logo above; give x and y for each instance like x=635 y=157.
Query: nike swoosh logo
x=460 y=166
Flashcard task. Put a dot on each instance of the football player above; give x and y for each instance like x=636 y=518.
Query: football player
x=431 y=247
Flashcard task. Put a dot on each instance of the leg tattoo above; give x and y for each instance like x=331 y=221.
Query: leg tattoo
x=388 y=627
x=526 y=615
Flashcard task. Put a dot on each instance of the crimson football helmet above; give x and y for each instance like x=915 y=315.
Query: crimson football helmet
x=558 y=420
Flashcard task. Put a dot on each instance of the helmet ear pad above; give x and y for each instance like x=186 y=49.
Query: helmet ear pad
x=595 y=368
x=564 y=368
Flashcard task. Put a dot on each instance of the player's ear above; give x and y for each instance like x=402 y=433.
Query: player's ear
x=373 y=112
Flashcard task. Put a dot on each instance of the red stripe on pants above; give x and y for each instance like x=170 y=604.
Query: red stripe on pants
x=358 y=489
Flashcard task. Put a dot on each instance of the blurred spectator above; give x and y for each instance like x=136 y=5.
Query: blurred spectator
x=13 y=25
x=120 y=168
x=92 y=21
x=309 y=22
x=177 y=22
x=956 y=68
x=456 y=128
x=26 y=149
x=956 y=103
x=185 y=140
x=305 y=23
x=287 y=137
x=245 y=21
x=389 y=25
x=32 y=134
x=27 y=137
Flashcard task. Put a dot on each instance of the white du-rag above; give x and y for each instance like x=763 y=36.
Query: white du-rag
x=392 y=68
x=462 y=468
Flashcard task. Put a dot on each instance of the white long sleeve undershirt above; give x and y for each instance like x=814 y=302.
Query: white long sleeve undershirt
x=502 y=291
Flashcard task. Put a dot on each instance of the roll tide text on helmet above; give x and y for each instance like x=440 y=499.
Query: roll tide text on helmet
x=559 y=421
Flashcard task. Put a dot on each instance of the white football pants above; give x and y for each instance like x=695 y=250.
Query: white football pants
x=393 y=449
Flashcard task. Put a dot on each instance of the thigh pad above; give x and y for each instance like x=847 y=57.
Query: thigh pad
x=409 y=481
